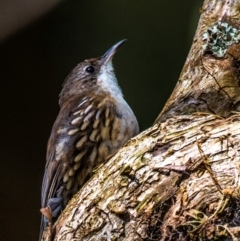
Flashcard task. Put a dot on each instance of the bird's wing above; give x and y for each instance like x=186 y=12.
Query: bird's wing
x=78 y=142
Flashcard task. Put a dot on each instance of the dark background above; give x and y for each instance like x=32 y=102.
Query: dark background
x=35 y=60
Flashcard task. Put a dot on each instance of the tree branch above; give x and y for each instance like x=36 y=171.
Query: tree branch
x=209 y=81
x=178 y=180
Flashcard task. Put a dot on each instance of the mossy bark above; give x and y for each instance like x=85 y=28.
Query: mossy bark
x=178 y=180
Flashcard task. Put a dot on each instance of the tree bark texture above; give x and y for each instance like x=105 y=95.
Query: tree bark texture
x=209 y=81
x=180 y=179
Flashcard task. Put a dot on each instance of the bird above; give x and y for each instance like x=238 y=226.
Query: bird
x=94 y=121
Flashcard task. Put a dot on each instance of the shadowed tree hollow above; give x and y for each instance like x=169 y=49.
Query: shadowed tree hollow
x=178 y=180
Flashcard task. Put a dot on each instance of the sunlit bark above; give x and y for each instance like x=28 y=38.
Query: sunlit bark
x=178 y=180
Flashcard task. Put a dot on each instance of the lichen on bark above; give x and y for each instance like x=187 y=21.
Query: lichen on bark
x=178 y=180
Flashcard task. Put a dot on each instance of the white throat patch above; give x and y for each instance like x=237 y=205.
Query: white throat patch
x=107 y=79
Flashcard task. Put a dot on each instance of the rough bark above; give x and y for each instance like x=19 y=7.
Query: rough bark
x=178 y=180
x=209 y=81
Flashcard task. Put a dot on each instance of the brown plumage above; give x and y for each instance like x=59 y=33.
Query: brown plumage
x=94 y=122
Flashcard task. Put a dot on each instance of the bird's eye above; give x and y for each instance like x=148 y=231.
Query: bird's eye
x=90 y=69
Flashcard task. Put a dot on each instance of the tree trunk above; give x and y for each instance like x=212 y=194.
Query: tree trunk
x=178 y=180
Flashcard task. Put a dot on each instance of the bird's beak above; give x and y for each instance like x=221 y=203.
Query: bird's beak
x=110 y=53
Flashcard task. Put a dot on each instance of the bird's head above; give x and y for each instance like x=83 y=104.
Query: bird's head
x=92 y=76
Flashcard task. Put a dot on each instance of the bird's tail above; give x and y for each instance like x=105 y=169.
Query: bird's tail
x=43 y=225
